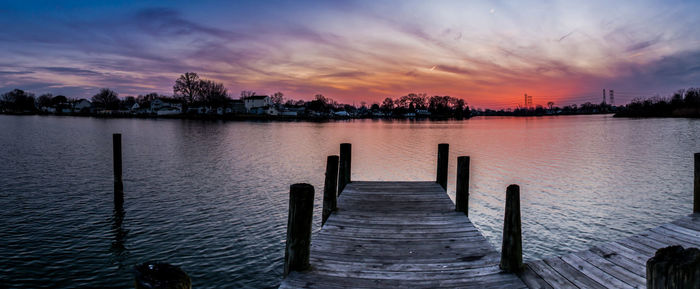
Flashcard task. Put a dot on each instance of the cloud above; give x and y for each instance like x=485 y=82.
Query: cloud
x=345 y=74
x=642 y=45
x=70 y=70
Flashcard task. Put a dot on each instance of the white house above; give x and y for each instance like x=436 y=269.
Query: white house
x=256 y=101
x=159 y=103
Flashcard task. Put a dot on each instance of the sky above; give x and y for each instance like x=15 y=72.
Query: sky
x=488 y=52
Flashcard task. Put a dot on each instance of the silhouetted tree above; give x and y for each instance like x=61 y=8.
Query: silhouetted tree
x=18 y=100
x=550 y=105
x=187 y=87
x=59 y=99
x=247 y=93
x=44 y=100
x=277 y=98
x=106 y=98
x=129 y=102
x=320 y=103
x=213 y=93
x=388 y=104
x=145 y=100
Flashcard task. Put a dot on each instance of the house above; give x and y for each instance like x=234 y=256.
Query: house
x=422 y=112
x=159 y=103
x=238 y=107
x=256 y=101
x=82 y=105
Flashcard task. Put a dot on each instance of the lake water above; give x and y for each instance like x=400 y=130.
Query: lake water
x=211 y=196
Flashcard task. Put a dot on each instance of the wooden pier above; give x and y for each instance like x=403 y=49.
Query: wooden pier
x=411 y=235
x=400 y=235
x=619 y=264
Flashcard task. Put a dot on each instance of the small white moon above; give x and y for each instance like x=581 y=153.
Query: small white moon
x=492 y=11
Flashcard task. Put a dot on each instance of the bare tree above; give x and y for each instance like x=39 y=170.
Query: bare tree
x=247 y=93
x=106 y=98
x=277 y=98
x=145 y=100
x=213 y=93
x=187 y=87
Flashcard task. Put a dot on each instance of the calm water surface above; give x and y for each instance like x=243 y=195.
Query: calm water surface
x=211 y=197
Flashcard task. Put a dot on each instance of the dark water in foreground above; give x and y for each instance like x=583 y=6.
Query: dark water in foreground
x=212 y=196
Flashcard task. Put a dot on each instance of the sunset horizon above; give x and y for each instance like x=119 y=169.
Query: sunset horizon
x=489 y=54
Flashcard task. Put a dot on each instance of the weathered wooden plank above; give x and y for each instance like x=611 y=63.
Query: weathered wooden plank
x=549 y=275
x=631 y=265
x=649 y=242
x=617 y=248
x=532 y=280
x=669 y=238
x=572 y=274
x=636 y=246
x=682 y=230
x=593 y=272
x=344 y=264
x=624 y=275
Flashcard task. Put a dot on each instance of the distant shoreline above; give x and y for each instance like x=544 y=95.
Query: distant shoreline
x=276 y=118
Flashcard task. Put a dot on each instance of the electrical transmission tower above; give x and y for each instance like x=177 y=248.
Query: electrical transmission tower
x=528 y=101
x=612 y=97
x=603 y=95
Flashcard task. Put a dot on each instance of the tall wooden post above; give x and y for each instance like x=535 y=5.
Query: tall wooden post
x=462 y=192
x=512 y=249
x=118 y=181
x=345 y=161
x=155 y=275
x=301 y=209
x=696 y=185
x=330 y=188
x=674 y=268
x=443 y=154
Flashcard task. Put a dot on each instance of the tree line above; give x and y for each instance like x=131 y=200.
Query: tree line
x=682 y=103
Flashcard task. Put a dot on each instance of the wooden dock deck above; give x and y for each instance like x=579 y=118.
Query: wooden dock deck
x=411 y=235
x=400 y=235
x=619 y=264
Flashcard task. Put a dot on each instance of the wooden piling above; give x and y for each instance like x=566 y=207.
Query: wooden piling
x=155 y=275
x=118 y=181
x=301 y=208
x=462 y=192
x=442 y=156
x=674 y=268
x=345 y=166
x=330 y=188
x=512 y=250
x=696 y=185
